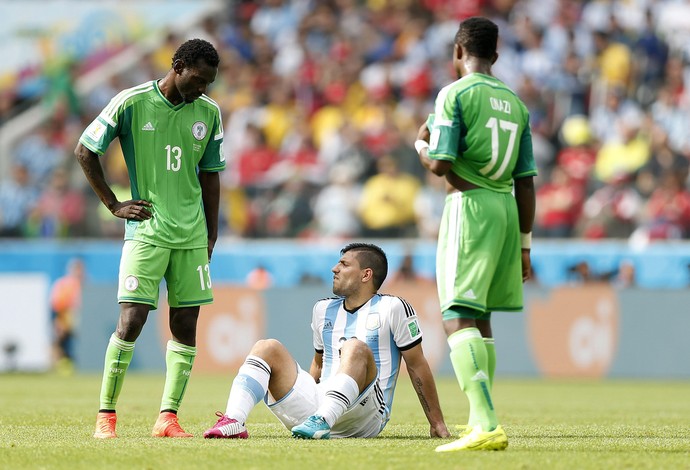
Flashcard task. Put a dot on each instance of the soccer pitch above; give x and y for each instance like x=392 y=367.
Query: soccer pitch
x=46 y=421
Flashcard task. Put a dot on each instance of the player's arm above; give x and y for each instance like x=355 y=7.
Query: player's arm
x=423 y=383
x=437 y=167
x=525 y=197
x=526 y=204
x=316 y=366
x=210 y=195
x=91 y=165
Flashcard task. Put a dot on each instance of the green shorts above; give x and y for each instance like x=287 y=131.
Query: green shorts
x=478 y=260
x=186 y=273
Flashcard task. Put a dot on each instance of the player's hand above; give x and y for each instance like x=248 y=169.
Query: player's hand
x=439 y=430
x=526 y=265
x=132 y=210
x=423 y=133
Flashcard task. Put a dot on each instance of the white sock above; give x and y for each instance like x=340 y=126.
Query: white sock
x=341 y=393
x=248 y=388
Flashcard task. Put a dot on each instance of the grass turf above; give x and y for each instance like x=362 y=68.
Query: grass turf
x=46 y=421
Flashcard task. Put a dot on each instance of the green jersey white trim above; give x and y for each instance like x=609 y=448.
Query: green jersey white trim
x=165 y=146
x=481 y=126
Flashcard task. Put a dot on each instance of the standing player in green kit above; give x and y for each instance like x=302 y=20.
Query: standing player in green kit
x=479 y=139
x=171 y=136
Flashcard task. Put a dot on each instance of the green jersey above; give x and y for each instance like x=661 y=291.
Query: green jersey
x=164 y=146
x=481 y=126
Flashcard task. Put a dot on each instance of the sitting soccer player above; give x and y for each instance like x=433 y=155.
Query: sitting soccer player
x=359 y=337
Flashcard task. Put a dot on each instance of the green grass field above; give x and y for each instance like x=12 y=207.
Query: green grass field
x=46 y=421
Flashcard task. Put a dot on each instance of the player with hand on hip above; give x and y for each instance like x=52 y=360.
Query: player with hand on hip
x=171 y=136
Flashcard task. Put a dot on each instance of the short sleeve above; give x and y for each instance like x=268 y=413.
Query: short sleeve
x=107 y=125
x=404 y=324
x=317 y=318
x=213 y=159
x=446 y=128
x=525 y=165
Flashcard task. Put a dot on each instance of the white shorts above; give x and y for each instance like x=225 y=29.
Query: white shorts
x=365 y=418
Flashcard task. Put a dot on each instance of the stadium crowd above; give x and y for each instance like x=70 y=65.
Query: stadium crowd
x=322 y=101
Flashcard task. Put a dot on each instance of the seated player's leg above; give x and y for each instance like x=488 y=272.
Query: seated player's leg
x=269 y=368
x=366 y=417
x=357 y=370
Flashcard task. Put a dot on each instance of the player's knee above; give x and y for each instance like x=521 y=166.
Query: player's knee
x=128 y=328
x=356 y=348
x=266 y=348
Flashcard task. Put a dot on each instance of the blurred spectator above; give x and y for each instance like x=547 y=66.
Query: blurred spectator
x=614 y=60
x=581 y=273
x=335 y=207
x=559 y=202
x=60 y=211
x=42 y=152
x=667 y=212
x=387 y=204
x=663 y=160
x=62 y=93
x=65 y=302
x=606 y=118
x=626 y=153
x=651 y=53
x=254 y=161
x=570 y=86
x=578 y=155
x=612 y=210
x=288 y=213
x=259 y=278
x=407 y=272
x=428 y=206
x=17 y=199
x=624 y=276
x=278 y=20
x=536 y=64
x=671 y=110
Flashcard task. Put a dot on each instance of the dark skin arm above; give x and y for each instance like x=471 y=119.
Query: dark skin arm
x=210 y=195
x=441 y=167
x=437 y=167
x=526 y=203
x=134 y=209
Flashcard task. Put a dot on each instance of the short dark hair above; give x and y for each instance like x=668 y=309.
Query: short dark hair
x=479 y=36
x=194 y=50
x=370 y=256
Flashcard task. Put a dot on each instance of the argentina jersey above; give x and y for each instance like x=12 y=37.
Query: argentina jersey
x=386 y=323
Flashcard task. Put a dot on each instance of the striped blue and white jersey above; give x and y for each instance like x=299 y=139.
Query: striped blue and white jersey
x=388 y=324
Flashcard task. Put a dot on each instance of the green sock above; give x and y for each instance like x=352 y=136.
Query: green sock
x=491 y=361
x=179 y=359
x=118 y=355
x=491 y=357
x=469 y=358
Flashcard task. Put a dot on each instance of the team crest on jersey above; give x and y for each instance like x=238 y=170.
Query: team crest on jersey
x=131 y=283
x=199 y=130
x=373 y=321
